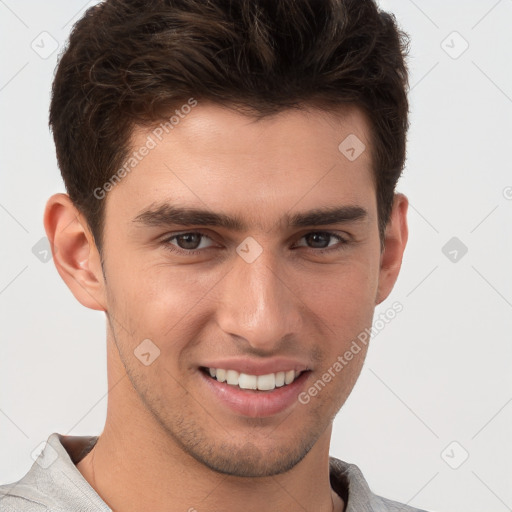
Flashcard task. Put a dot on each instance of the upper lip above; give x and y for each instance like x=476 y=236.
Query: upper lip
x=258 y=367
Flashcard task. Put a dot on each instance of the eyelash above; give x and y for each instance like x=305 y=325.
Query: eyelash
x=192 y=252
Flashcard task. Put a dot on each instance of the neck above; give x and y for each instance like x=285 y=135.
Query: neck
x=126 y=470
x=136 y=465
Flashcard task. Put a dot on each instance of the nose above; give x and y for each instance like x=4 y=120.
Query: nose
x=259 y=304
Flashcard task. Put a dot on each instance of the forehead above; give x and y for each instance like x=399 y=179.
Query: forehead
x=291 y=133
x=221 y=159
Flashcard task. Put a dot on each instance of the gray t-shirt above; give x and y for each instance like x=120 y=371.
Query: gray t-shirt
x=54 y=484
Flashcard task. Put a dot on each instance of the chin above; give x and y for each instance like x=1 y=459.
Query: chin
x=250 y=461
x=272 y=455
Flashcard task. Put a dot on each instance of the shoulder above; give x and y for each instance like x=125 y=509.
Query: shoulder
x=31 y=492
x=348 y=481
x=34 y=492
x=17 y=497
x=52 y=483
x=385 y=505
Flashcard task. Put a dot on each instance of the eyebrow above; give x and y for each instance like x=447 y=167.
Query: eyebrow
x=167 y=214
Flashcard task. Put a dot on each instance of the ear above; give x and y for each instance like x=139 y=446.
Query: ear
x=74 y=251
x=395 y=240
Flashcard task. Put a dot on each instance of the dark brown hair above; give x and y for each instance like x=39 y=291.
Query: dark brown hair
x=132 y=62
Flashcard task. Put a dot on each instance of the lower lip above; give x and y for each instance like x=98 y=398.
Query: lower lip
x=256 y=404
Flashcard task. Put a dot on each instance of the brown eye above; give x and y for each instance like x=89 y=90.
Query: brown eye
x=319 y=241
x=189 y=241
x=318 y=238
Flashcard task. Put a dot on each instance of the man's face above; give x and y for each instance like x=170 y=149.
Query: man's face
x=271 y=297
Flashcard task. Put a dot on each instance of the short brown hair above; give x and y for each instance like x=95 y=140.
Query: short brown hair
x=131 y=62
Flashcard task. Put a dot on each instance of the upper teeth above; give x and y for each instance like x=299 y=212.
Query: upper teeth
x=260 y=382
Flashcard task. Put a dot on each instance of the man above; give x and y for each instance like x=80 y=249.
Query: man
x=231 y=170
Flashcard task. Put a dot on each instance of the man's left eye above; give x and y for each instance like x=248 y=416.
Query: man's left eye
x=323 y=236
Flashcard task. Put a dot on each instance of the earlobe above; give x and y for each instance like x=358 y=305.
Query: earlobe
x=394 y=246
x=75 y=254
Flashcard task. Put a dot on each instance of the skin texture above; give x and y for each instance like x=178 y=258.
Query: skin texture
x=168 y=443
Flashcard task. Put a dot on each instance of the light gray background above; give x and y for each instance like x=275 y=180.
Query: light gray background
x=439 y=372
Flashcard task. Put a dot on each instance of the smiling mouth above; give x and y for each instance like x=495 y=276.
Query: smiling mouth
x=267 y=382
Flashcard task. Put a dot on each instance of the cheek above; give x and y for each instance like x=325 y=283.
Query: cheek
x=342 y=297
x=157 y=301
